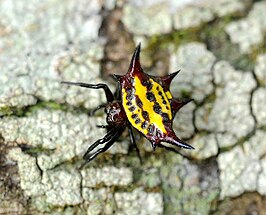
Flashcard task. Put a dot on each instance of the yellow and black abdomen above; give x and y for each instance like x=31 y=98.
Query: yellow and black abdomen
x=147 y=107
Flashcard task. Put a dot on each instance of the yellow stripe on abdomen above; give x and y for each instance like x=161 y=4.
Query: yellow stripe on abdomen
x=137 y=113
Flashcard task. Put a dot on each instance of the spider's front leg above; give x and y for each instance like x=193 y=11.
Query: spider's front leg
x=108 y=139
x=108 y=92
x=102 y=126
x=93 y=111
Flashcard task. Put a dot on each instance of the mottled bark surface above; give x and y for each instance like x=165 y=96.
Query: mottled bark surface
x=45 y=127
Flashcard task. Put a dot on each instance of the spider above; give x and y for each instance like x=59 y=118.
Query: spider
x=144 y=102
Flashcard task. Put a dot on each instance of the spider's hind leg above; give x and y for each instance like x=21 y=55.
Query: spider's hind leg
x=108 y=92
x=108 y=139
x=132 y=140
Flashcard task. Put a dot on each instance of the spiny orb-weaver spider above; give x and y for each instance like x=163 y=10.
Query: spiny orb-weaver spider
x=144 y=102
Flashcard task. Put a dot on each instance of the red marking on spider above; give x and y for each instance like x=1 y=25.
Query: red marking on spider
x=144 y=103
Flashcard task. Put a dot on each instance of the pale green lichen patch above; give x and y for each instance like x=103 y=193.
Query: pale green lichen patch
x=59 y=187
x=249 y=32
x=62 y=187
x=206 y=144
x=64 y=134
x=217 y=41
x=161 y=21
x=46 y=56
x=192 y=16
x=100 y=201
x=183 y=123
x=194 y=73
x=228 y=7
x=30 y=174
x=234 y=107
x=188 y=188
x=109 y=176
x=258 y=106
x=137 y=201
x=250 y=163
x=260 y=69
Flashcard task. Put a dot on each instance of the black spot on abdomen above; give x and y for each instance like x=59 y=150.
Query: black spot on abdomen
x=144 y=125
x=129 y=90
x=139 y=102
x=151 y=129
x=134 y=116
x=165 y=117
x=147 y=84
x=132 y=108
x=145 y=115
x=150 y=96
x=129 y=103
x=137 y=121
x=157 y=108
x=129 y=97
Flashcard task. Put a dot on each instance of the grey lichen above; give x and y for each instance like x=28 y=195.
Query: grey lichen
x=59 y=187
x=99 y=201
x=246 y=33
x=109 y=176
x=206 y=145
x=23 y=88
x=196 y=74
x=64 y=135
x=258 y=106
x=192 y=16
x=183 y=122
x=260 y=68
x=44 y=60
x=243 y=168
x=257 y=13
x=62 y=187
x=45 y=128
x=138 y=19
x=139 y=202
x=230 y=116
x=249 y=32
x=228 y=7
x=150 y=179
x=30 y=174
x=188 y=188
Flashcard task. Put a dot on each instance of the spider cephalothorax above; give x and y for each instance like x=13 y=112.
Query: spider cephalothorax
x=116 y=115
x=144 y=102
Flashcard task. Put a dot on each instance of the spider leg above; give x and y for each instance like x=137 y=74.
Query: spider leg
x=102 y=126
x=160 y=145
x=154 y=144
x=100 y=150
x=108 y=92
x=93 y=111
x=110 y=134
x=109 y=139
x=132 y=140
x=117 y=92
